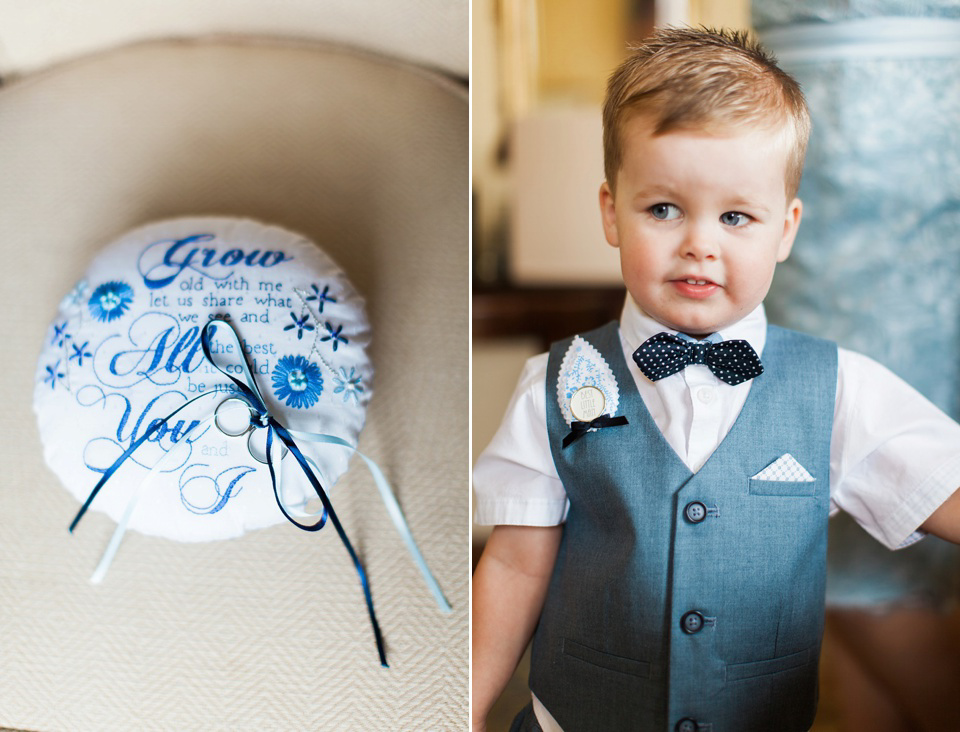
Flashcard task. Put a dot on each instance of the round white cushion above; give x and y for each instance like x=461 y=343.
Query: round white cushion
x=125 y=388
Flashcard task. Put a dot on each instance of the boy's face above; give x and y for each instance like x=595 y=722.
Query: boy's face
x=701 y=222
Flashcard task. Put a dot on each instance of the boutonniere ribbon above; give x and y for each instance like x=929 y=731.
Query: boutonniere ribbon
x=579 y=429
x=279 y=439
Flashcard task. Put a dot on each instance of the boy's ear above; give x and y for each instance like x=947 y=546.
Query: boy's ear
x=608 y=213
x=790 y=225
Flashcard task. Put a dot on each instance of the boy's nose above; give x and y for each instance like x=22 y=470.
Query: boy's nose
x=699 y=244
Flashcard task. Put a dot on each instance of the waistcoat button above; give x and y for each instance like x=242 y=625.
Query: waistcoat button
x=691 y=622
x=695 y=512
x=686 y=725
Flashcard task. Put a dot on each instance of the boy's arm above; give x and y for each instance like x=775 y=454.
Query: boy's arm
x=945 y=521
x=509 y=588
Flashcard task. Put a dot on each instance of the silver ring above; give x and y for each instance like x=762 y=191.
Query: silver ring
x=216 y=417
x=283 y=449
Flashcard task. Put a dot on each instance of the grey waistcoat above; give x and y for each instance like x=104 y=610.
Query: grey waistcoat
x=683 y=601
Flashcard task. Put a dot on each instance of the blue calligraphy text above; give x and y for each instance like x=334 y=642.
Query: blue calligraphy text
x=101 y=452
x=154 y=349
x=163 y=261
x=204 y=494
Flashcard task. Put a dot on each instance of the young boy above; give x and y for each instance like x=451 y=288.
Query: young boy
x=661 y=486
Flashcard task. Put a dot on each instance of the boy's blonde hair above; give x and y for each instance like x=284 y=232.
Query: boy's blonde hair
x=705 y=79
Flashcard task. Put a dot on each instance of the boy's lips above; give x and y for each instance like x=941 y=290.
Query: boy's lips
x=696 y=288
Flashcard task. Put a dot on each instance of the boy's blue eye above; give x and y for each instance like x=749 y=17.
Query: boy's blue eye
x=734 y=218
x=664 y=211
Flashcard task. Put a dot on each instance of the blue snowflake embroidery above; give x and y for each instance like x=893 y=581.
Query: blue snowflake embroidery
x=60 y=333
x=111 y=300
x=321 y=297
x=80 y=353
x=53 y=375
x=348 y=385
x=300 y=324
x=297 y=381
x=334 y=335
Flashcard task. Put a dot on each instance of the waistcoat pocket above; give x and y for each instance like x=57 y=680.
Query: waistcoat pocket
x=753 y=669
x=781 y=487
x=606 y=660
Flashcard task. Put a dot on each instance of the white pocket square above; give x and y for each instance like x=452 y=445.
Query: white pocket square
x=785 y=468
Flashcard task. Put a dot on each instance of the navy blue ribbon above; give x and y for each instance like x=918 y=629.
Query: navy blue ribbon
x=156 y=425
x=262 y=418
x=579 y=429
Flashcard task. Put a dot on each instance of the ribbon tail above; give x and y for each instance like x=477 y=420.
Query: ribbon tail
x=328 y=507
x=109 y=472
x=127 y=453
x=118 y=533
x=572 y=437
x=579 y=429
x=111 y=551
x=393 y=510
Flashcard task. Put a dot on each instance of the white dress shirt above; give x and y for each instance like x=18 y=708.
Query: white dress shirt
x=894 y=456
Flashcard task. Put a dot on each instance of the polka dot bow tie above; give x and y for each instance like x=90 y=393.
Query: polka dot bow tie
x=665 y=354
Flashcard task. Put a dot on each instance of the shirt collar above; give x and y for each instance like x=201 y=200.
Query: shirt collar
x=636 y=327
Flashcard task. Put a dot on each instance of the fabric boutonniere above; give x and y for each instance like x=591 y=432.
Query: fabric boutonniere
x=587 y=391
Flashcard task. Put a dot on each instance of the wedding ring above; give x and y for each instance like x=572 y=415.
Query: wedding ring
x=233 y=421
x=259 y=452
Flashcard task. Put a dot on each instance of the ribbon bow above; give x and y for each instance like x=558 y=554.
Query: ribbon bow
x=277 y=433
x=579 y=429
x=665 y=354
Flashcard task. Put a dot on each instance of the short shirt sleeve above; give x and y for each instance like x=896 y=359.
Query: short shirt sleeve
x=514 y=480
x=894 y=458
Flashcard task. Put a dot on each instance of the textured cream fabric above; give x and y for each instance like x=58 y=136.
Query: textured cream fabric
x=367 y=158
x=37 y=33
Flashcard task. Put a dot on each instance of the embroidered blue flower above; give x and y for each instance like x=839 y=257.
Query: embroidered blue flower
x=348 y=385
x=334 y=335
x=60 y=333
x=53 y=375
x=80 y=353
x=111 y=300
x=300 y=324
x=321 y=297
x=297 y=381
